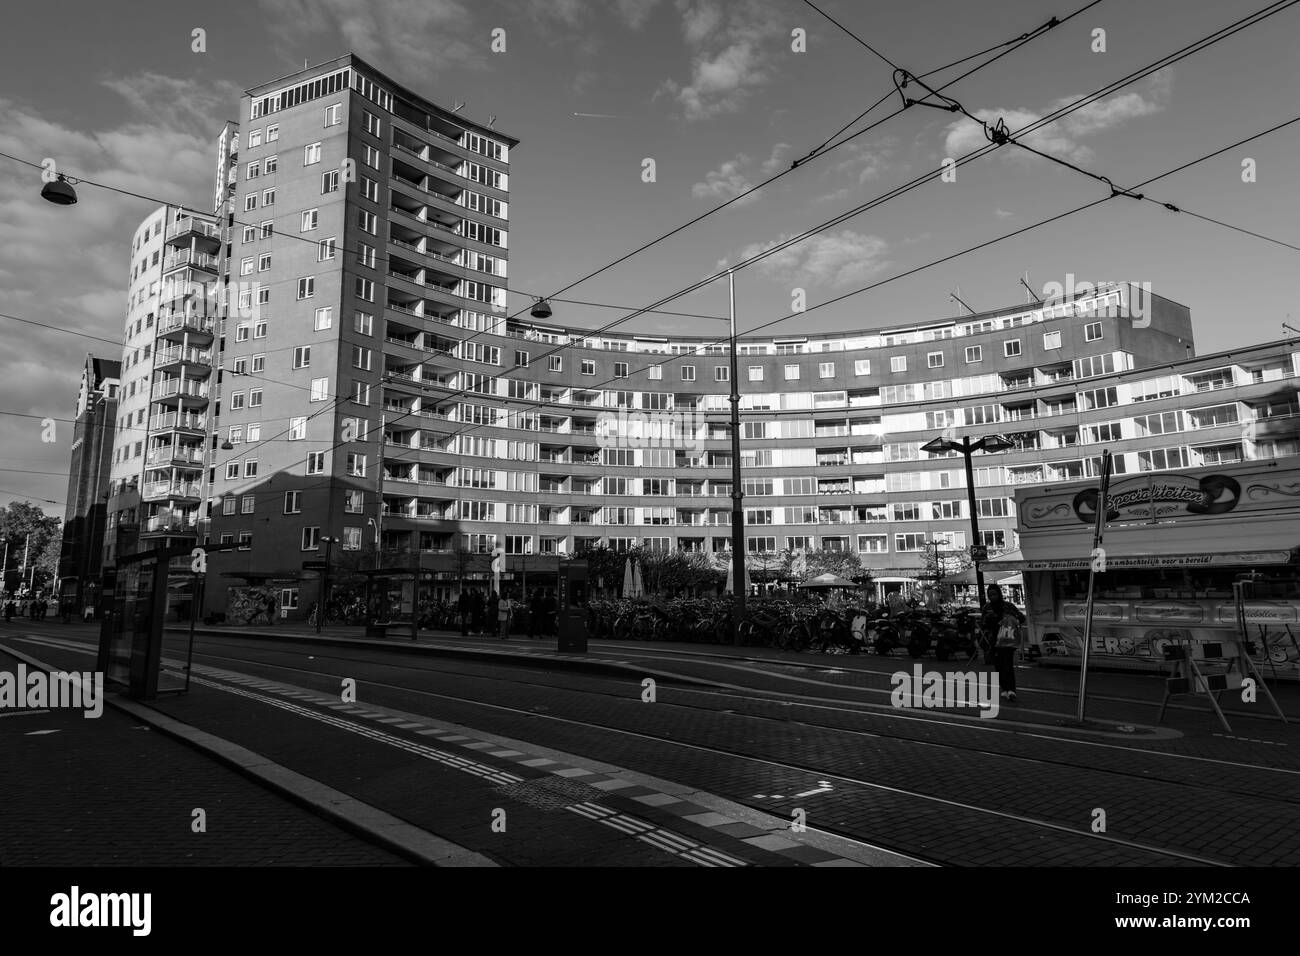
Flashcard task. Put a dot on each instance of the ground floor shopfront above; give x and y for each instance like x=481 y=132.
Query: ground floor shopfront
x=1207 y=556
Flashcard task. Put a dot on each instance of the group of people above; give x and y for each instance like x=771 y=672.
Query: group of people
x=490 y=612
x=37 y=608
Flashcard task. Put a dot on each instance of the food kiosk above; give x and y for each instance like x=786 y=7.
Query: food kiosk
x=1180 y=552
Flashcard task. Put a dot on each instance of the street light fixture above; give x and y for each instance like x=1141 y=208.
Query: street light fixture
x=60 y=192
x=989 y=444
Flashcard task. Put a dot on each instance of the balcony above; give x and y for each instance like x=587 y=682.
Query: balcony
x=187 y=422
x=184 y=455
x=183 y=387
x=180 y=355
x=182 y=230
x=158 y=490
x=174 y=327
x=170 y=524
x=192 y=258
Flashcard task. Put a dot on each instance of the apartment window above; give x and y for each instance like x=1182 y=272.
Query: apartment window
x=365 y=289
x=368 y=222
x=297 y=428
x=555 y=363
x=721 y=373
x=898 y=363
x=311 y=154
x=250 y=202
x=620 y=370
x=329 y=181
x=236 y=401
x=354 y=502
x=333 y=114
x=246 y=266
x=1011 y=348
x=293 y=502
x=272 y=133
x=315 y=462
x=974 y=353
x=240 y=367
x=688 y=373
x=302 y=356
x=229 y=504
x=1052 y=340
x=356 y=465
x=268 y=229
x=361 y=358
x=1092 y=332
x=310 y=220
x=370 y=156
x=311 y=538
x=250 y=234
x=791 y=373
x=247 y=504
x=236 y=434
x=306 y=287
x=361 y=393
x=934 y=360
x=826 y=370
x=254 y=401
x=320 y=387
x=250 y=468
x=232 y=472
x=862 y=367
x=326 y=249
x=369 y=188
x=271 y=164
x=521 y=359
x=371 y=123
x=588 y=367
x=268 y=196
x=254 y=138
x=756 y=373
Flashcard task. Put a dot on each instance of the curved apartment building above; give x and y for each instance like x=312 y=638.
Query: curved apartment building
x=382 y=411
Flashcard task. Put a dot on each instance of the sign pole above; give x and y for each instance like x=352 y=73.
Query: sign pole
x=1103 y=502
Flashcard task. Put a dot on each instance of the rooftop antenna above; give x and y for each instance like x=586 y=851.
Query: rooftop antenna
x=1290 y=328
x=492 y=120
x=460 y=105
x=956 y=298
x=305 y=64
x=1033 y=296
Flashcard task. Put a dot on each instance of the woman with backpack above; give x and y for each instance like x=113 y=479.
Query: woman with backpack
x=1002 y=621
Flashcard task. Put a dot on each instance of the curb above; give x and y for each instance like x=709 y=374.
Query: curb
x=570 y=662
x=366 y=821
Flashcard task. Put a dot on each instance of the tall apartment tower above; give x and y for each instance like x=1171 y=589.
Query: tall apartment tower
x=367 y=239
x=81 y=559
x=158 y=460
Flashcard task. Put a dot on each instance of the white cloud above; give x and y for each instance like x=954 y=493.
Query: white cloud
x=1003 y=214
x=835 y=259
x=729 y=60
x=1062 y=137
x=725 y=182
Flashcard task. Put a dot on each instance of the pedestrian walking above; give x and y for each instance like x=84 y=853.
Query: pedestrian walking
x=88 y=613
x=477 y=610
x=1002 y=622
x=464 y=607
x=536 y=615
x=548 y=613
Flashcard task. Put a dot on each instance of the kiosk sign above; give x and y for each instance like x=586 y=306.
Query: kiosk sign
x=1167 y=495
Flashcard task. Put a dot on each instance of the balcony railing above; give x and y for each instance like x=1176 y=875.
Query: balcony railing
x=185 y=455
x=190 y=257
x=190 y=224
x=174 y=524
x=164 y=489
x=186 y=323
x=177 y=386
x=190 y=356
x=173 y=420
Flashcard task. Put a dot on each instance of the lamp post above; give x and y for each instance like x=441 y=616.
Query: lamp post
x=324 y=583
x=967 y=448
x=737 y=511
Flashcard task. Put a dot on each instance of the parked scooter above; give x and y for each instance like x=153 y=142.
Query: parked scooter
x=958 y=635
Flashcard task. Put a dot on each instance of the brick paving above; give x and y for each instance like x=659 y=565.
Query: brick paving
x=1229 y=813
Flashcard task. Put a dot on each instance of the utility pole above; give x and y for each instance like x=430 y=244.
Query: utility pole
x=737 y=512
x=324 y=584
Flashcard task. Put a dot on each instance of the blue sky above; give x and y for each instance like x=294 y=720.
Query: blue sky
x=711 y=91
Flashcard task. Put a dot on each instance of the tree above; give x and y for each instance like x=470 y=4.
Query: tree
x=25 y=527
x=845 y=564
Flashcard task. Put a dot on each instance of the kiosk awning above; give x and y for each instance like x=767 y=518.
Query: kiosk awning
x=1073 y=562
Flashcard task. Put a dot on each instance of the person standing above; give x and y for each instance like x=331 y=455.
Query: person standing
x=476 y=611
x=548 y=613
x=503 y=617
x=1002 y=621
x=463 y=606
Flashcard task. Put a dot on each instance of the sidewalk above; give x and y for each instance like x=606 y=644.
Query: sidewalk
x=110 y=791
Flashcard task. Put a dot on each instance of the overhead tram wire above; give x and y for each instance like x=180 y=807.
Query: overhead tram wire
x=1167 y=60
x=702 y=349
x=1012 y=44
x=900 y=190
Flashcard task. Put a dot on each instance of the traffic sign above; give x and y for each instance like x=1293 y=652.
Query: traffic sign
x=979 y=552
